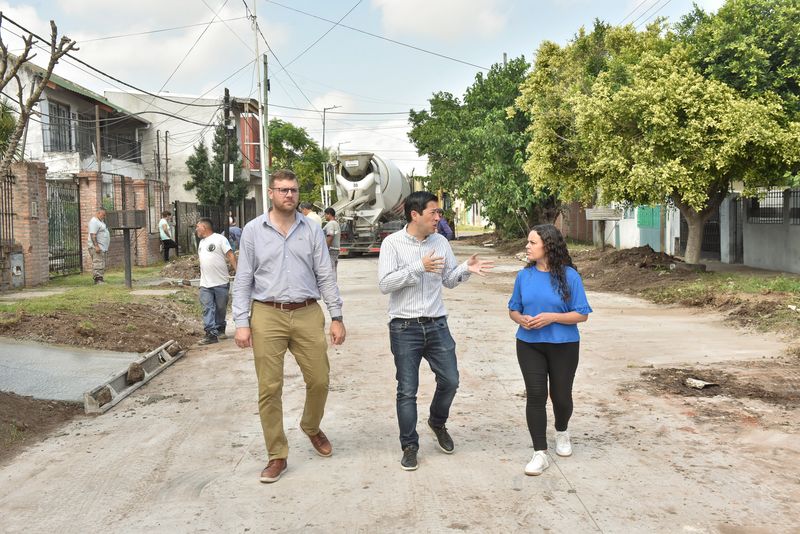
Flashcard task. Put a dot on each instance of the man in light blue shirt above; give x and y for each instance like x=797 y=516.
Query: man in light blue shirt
x=284 y=268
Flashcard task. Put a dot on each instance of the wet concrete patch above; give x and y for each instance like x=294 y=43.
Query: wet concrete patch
x=56 y=372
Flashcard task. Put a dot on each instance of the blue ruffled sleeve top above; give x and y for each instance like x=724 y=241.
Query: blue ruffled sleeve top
x=534 y=293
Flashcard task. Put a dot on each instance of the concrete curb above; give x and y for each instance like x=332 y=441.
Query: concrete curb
x=105 y=396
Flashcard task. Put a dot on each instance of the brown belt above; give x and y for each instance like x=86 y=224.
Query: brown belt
x=288 y=306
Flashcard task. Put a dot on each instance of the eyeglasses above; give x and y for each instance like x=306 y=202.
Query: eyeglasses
x=285 y=190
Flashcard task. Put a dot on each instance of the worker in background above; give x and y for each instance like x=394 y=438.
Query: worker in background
x=443 y=228
x=165 y=234
x=99 y=240
x=212 y=251
x=308 y=210
x=413 y=266
x=333 y=234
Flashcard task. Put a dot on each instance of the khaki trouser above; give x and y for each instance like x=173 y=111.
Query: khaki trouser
x=98 y=262
x=302 y=331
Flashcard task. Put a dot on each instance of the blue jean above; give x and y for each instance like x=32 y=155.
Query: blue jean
x=215 y=305
x=411 y=341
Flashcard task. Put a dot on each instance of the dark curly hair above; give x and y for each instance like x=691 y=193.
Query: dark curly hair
x=558 y=258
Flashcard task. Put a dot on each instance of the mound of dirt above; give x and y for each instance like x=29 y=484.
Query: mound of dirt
x=128 y=327
x=629 y=270
x=24 y=420
x=183 y=268
x=186 y=268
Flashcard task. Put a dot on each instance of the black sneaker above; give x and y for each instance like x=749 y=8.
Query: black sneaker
x=443 y=438
x=409 y=461
x=209 y=339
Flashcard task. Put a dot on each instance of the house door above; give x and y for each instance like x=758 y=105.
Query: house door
x=648 y=220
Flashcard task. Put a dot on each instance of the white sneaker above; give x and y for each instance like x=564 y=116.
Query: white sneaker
x=537 y=464
x=563 y=445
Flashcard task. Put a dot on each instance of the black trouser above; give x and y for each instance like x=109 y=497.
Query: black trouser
x=167 y=244
x=538 y=361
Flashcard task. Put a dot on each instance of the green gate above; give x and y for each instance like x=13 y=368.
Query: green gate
x=648 y=220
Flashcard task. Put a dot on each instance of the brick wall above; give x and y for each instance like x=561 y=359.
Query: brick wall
x=30 y=220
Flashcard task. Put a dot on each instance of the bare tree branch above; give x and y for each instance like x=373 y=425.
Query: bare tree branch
x=58 y=49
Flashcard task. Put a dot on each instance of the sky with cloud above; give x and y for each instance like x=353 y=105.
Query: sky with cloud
x=391 y=56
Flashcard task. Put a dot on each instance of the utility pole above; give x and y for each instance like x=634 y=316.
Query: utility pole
x=99 y=153
x=158 y=155
x=226 y=171
x=324 y=110
x=166 y=158
x=262 y=116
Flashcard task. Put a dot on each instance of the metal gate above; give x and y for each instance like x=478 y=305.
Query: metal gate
x=64 y=232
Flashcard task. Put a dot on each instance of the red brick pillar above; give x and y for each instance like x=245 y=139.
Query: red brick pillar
x=30 y=220
x=90 y=186
x=141 y=241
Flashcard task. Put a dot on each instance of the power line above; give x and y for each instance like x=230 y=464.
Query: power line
x=645 y=12
x=193 y=45
x=309 y=47
x=378 y=36
x=653 y=14
x=122 y=36
x=229 y=28
x=632 y=11
x=95 y=69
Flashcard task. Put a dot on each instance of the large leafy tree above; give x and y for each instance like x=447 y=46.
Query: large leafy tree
x=292 y=148
x=636 y=120
x=476 y=149
x=750 y=45
x=670 y=134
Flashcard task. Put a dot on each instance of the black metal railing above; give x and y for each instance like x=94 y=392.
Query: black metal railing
x=766 y=208
x=794 y=206
x=64 y=227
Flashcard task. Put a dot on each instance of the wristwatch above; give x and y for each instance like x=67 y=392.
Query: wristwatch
x=337 y=318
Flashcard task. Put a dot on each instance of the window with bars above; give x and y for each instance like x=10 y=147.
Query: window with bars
x=58 y=131
x=766 y=208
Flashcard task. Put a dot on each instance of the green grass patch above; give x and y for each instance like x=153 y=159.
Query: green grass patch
x=113 y=276
x=77 y=299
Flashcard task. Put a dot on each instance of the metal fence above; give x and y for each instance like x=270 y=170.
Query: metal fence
x=7 y=209
x=186 y=215
x=794 y=206
x=767 y=208
x=64 y=227
x=156 y=204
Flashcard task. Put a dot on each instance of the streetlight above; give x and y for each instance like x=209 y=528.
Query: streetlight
x=323 y=125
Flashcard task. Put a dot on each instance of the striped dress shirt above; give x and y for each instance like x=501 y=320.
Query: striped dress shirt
x=278 y=268
x=401 y=273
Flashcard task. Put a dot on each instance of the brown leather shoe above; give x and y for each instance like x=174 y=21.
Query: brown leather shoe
x=274 y=470
x=321 y=444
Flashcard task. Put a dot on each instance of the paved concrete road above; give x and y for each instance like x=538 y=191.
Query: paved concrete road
x=183 y=453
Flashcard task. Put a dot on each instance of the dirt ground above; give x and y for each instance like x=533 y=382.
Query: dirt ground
x=183 y=453
x=121 y=327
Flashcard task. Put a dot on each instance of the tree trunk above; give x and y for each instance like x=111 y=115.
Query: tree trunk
x=694 y=242
x=696 y=220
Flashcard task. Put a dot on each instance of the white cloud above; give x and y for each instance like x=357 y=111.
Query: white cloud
x=445 y=19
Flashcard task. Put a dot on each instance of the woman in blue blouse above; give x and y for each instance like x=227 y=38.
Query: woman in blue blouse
x=548 y=303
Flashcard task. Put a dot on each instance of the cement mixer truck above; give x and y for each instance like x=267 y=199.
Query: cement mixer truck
x=370 y=196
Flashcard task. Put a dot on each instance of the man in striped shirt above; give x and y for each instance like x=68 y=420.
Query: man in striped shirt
x=413 y=266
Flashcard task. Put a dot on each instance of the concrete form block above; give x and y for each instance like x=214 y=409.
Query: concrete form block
x=110 y=393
